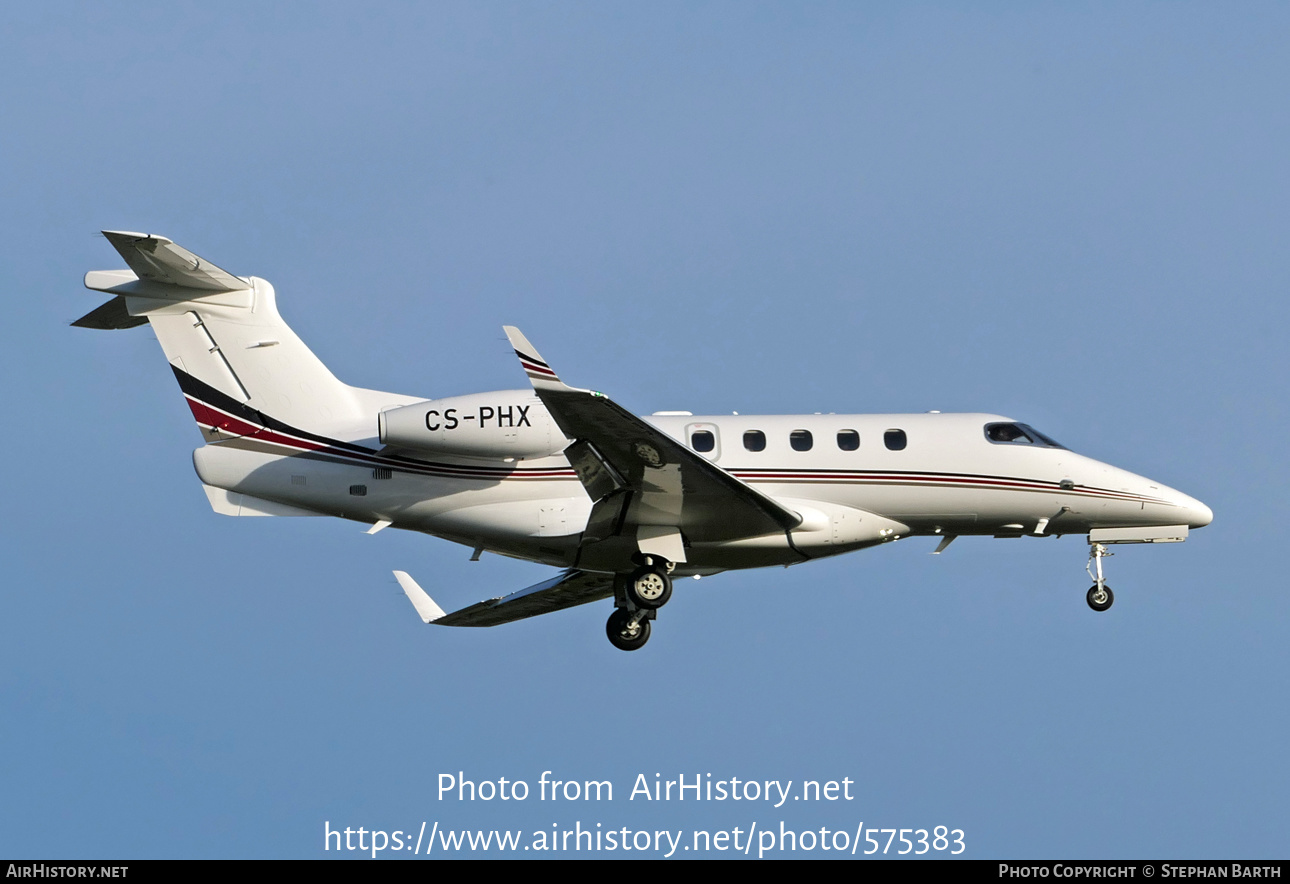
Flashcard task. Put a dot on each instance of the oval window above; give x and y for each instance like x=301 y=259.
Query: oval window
x=754 y=440
x=800 y=440
x=848 y=440
x=702 y=440
x=895 y=440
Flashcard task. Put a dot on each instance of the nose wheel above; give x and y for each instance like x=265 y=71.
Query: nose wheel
x=1099 y=596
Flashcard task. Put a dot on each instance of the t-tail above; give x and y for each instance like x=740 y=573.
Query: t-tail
x=241 y=368
x=250 y=382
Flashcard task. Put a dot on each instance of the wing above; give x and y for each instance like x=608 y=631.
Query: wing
x=643 y=481
x=564 y=591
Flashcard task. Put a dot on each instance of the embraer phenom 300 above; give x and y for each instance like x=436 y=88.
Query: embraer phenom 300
x=567 y=477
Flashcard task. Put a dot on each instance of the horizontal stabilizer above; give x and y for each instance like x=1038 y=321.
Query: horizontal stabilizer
x=158 y=260
x=566 y=590
x=110 y=315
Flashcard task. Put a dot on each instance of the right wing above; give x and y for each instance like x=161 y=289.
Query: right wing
x=566 y=590
x=641 y=478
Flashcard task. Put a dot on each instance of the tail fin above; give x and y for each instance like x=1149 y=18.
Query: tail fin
x=236 y=360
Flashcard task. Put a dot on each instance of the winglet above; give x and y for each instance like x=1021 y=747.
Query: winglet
x=538 y=371
x=429 y=611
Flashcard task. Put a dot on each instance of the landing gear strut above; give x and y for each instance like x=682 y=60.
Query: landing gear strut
x=637 y=598
x=1099 y=596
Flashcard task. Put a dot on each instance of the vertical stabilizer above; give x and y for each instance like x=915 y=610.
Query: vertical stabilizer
x=229 y=347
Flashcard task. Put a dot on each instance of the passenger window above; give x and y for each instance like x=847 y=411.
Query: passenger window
x=895 y=440
x=848 y=440
x=800 y=440
x=702 y=440
x=754 y=440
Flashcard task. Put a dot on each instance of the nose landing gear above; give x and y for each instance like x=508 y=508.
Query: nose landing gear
x=1099 y=597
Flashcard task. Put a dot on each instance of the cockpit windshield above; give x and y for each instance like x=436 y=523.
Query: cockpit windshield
x=1018 y=434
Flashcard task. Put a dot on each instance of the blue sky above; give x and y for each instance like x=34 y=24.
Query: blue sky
x=1072 y=215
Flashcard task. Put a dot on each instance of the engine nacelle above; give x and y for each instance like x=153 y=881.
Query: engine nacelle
x=505 y=424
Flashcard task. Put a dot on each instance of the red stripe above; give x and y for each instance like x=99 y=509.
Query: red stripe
x=209 y=416
x=875 y=478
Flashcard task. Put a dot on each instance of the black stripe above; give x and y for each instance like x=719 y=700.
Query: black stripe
x=208 y=395
x=204 y=392
x=532 y=359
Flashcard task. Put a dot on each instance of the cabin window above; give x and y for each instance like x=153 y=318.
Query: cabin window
x=754 y=440
x=800 y=440
x=703 y=440
x=848 y=440
x=895 y=440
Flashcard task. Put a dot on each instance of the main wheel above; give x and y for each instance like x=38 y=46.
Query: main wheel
x=648 y=588
x=622 y=637
x=1100 y=600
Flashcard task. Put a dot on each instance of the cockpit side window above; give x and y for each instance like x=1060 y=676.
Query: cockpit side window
x=1047 y=440
x=1018 y=434
x=1007 y=433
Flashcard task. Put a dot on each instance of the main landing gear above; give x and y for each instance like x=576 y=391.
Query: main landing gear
x=1099 y=597
x=628 y=630
x=637 y=598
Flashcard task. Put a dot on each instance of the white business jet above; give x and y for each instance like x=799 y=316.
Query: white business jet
x=567 y=477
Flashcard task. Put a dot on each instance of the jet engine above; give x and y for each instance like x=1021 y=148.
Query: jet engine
x=505 y=424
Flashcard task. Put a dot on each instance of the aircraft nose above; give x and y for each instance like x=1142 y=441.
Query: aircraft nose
x=1198 y=515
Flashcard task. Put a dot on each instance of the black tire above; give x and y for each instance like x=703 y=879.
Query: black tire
x=648 y=588
x=616 y=629
x=1105 y=603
